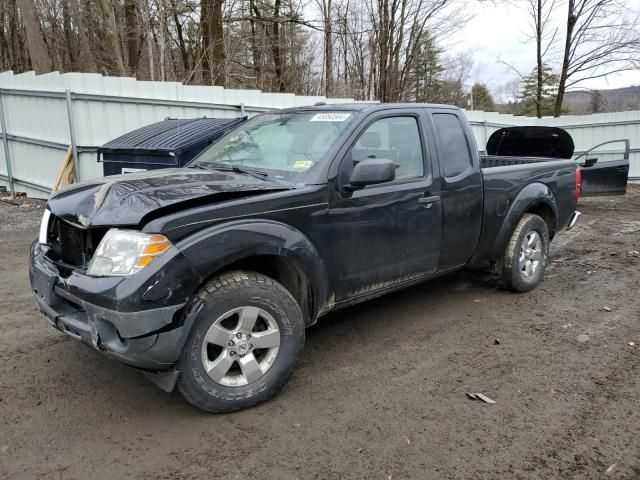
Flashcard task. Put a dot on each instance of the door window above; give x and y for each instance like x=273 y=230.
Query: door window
x=396 y=139
x=606 y=152
x=452 y=144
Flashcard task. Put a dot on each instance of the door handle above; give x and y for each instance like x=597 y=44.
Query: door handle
x=429 y=200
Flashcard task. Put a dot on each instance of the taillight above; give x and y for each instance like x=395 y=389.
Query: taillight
x=578 y=183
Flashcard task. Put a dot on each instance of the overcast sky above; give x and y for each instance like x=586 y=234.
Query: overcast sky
x=500 y=33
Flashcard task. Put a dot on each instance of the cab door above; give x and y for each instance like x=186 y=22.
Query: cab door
x=462 y=193
x=605 y=169
x=386 y=234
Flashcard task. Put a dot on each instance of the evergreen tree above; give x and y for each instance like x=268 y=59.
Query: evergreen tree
x=527 y=101
x=597 y=102
x=427 y=71
x=482 y=98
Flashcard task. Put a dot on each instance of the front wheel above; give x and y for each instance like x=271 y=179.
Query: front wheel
x=244 y=344
x=521 y=268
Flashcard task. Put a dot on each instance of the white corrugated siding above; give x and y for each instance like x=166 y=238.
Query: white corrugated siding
x=131 y=104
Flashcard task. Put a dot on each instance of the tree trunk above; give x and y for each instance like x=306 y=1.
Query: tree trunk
x=385 y=32
x=186 y=64
x=4 y=46
x=131 y=21
x=40 y=61
x=161 y=41
x=204 y=27
x=86 y=14
x=255 y=53
x=273 y=38
x=328 y=47
x=13 y=36
x=152 y=73
x=216 y=44
x=69 y=36
x=86 y=60
x=571 y=22
x=276 y=47
x=7 y=61
x=111 y=36
x=539 y=86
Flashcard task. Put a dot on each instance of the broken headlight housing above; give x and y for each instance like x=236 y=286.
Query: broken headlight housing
x=44 y=227
x=125 y=252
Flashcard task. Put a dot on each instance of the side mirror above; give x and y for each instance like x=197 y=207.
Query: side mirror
x=371 y=172
x=589 y=162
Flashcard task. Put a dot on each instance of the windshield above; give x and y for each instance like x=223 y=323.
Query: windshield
x=284 y=145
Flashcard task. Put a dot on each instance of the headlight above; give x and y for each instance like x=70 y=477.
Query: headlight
x=44 y=227
x=124 y=252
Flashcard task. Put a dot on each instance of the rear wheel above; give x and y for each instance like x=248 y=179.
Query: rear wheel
x=244 y=344
x=523 y=263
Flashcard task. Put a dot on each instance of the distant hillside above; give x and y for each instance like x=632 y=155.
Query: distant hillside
x=613 y=100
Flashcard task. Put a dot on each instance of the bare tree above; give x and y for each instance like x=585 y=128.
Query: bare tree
x=179 y=23
x=540 y=12
x=371 y=49
x=399 y=26
x=111 y=35
x=326 y=10
x=216 y=43
x=272 y=31
x=86 y=61
x=602 y=37
x=131 y=19
x=40 y=60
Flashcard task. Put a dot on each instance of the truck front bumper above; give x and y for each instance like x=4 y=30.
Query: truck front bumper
x=150 y=339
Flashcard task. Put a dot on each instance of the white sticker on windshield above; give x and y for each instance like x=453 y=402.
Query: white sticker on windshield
x=330 y=117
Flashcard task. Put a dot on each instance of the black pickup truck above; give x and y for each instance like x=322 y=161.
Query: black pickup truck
x=206 y=277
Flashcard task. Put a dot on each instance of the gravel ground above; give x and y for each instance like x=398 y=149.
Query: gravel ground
x=21 y=213
x=380 y=391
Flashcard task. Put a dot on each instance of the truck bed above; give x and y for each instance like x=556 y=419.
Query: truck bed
x=505 y=178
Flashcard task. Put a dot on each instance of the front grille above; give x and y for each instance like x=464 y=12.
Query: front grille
x=72 y=244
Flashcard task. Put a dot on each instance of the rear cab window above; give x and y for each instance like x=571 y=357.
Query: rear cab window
x=453 y=147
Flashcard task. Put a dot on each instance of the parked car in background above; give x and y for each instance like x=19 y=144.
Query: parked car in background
x=206 y=277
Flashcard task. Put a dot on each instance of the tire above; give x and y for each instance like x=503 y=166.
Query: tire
x=254 y=375
x=521 y=267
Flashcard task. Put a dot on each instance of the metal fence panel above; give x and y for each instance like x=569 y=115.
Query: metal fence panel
x=102 y=108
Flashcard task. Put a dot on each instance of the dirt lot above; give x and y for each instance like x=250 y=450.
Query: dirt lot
x=380 y=392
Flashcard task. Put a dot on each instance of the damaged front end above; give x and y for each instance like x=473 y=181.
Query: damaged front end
x=142 y=320
x=99 y=277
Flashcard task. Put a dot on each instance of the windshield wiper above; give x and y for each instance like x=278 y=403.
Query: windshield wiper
x=250 y=171
x=224 y=167
x=198 y=165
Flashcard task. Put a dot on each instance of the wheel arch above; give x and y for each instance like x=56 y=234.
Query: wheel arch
x=536 y=198
x=284 y=270
x=271 y=248
x=546 y=212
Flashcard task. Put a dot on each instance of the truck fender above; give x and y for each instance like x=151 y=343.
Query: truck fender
x=531 y=196
x=212 y=249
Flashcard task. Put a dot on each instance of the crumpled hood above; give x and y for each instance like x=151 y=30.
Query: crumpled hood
x=126 y=199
